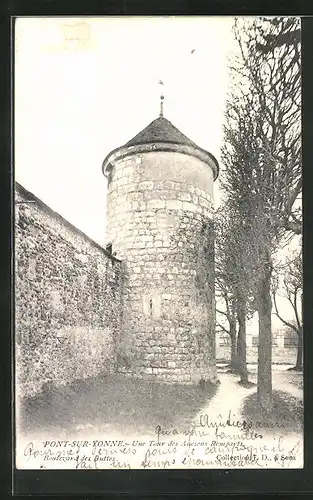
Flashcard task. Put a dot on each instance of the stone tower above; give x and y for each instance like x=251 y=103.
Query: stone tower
x=159 y=222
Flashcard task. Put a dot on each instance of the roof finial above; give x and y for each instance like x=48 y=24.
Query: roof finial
x=161 y=105
x=161 y=97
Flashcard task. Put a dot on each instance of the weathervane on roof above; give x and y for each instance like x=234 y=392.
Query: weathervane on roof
x=161 y=99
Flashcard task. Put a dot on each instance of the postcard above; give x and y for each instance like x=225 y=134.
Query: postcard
x=157 y=243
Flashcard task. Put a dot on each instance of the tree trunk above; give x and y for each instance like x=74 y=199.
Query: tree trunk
x=265 y=338
x=233 y=365
x=241 y=342
x=299 y=363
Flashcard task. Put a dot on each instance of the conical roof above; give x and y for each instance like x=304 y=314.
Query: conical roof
x=161 y=133
x=160 y=130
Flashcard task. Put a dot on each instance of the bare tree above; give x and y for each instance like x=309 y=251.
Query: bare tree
x=292 y=287
x=262 y=157
x=224 y=286
x=233 y=278
x=228 y=314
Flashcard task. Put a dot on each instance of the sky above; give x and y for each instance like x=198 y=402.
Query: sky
x=84 y=86
x=75 y=102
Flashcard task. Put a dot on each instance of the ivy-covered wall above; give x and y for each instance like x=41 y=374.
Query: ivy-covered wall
x=67 y=300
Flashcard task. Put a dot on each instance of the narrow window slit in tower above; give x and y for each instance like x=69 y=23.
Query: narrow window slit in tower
x=150 y=305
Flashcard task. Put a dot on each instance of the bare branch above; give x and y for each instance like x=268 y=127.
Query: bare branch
x=294 y=227
x=287 y=323
x=222 y=312
x=222 y=327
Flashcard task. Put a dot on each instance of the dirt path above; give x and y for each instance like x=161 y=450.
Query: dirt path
x=229 y=397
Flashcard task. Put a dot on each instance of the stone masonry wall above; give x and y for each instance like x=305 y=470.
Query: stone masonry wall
x=67 y=300
x=159 y=221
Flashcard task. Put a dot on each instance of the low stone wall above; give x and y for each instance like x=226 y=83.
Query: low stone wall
x=280 y=355
x=67 y=300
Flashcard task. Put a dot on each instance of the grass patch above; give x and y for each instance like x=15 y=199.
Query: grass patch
x=115 y=403
x=247 y=384
x=295 y=369
x=296 y=378
x=287 y=410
